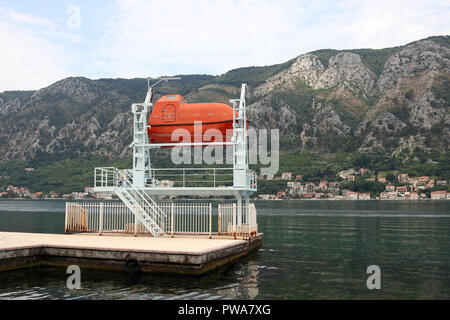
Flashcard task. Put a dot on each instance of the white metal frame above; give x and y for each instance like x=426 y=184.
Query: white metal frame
x=139 y=185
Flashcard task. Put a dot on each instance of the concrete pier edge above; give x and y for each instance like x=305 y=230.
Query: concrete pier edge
x=110 y=259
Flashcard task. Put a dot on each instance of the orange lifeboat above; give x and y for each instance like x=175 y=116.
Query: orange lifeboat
x=173 y=120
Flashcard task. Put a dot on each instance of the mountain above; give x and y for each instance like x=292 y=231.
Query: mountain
x=376 y=102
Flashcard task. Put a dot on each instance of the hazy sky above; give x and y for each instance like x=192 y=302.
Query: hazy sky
x=44 y=41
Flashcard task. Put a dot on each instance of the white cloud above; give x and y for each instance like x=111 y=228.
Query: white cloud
x=28 y=60
x=157 y=37
x=152 y=38
x=24 y=18
x=167 y=37
x=381 y=24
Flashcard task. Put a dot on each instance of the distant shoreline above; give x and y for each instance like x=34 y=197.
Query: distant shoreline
x=222 y=199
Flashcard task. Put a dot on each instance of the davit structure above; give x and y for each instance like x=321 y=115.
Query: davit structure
x=153 y=128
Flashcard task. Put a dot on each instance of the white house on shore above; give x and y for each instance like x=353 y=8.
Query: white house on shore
x=439 y=195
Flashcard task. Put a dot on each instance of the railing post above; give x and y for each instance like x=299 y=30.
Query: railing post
x=65 y=219
x=210 y=220
x=234 y=219
x=135 y=220
x=219 y=217
x=184 y=177
x=100 y=223
x=249 y=221
x=214 y=177
x=172 y=221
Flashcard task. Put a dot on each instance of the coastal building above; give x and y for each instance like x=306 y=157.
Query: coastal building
x=310 y=187
x=20 y=192
x=401 y=190
x=430 y=184
x=308 y=195
x=403 y=177
x=441 y=182
x=333 y=186
x=345 y=191
x=346 y=173
x=364 y=196
x=382 y=179
x=295 y=185
x=439 y=195
x=423 y=180
x=370 y=179
x=318 y=195
x=351 y=195
x=363 y=171
x=37 y=195
x=89 y=190
x=323 y=185
x=165 y=184
x=104 y=196
x=281 y=194
x=390 y=187
x=351 y=178
x=392 y=194
x=53 y=194
x=299 y=177
x=78 y=195
x=384 y=195
x=3 y=194
x=269 y=177
x=414 y=196
x=29 y=169
x=286 y=175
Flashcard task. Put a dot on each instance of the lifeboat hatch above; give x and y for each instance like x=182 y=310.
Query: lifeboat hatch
x=169 y=113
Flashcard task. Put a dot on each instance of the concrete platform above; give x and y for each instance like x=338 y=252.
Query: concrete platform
x=159 y=255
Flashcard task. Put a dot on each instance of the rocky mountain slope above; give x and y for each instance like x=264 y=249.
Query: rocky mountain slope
x=372 y=101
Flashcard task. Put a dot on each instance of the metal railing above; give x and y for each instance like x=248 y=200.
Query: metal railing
x=235 y=221
x=116 y=217
x=105 y=177
x=173 y=177
x=193 y=219
x=193 y=177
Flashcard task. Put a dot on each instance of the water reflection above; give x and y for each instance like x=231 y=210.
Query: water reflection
x=311 y=250
x=246 y=285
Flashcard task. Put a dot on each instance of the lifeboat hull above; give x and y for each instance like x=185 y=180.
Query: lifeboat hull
x=204 y=132
x=175 y=121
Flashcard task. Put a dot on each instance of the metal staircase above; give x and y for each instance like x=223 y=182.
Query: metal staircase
x=144 y=208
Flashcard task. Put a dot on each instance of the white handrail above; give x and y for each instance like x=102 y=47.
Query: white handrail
x=193 y=219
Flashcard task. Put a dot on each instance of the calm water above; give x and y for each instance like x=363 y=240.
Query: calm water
x=311 y=250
